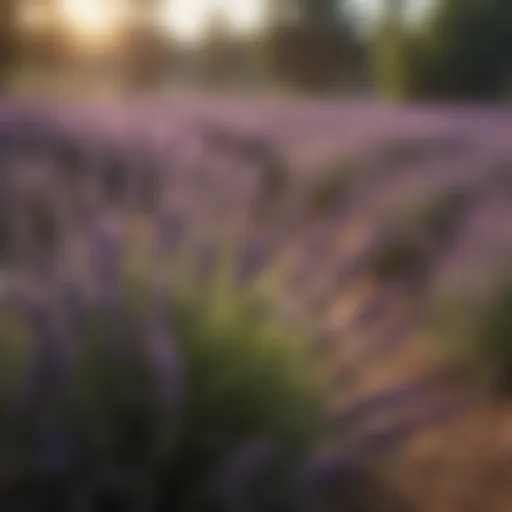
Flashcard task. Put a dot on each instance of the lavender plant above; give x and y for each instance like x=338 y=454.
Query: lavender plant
x=142 y=370
x=135 y=382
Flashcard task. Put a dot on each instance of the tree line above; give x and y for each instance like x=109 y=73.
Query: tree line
x=460 y=49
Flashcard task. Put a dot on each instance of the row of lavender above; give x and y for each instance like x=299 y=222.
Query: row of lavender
x=141 y=355
x=139 y=369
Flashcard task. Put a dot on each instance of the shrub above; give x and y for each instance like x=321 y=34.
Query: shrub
x=129 y=382
x=159 y=400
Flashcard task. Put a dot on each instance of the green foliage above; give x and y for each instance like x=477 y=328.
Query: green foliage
x=237 y=374
x=390 y=52
x=460 y=51
x=257 y=357
x=245 y=377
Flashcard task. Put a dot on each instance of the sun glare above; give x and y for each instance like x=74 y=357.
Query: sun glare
x=88 y=16
x=93 y=19
x=188 y=18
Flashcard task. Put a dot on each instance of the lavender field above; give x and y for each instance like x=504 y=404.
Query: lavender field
x=145 y=247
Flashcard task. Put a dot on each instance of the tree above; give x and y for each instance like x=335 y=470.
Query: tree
x=308 y=43
x=389 y=42
x=468 y=44
x=460 y=51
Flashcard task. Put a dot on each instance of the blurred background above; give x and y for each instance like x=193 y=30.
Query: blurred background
x=255 y=255
x=395 y=48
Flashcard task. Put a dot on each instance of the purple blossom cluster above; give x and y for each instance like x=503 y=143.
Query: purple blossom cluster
x=133 y=385
x=132 y=244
